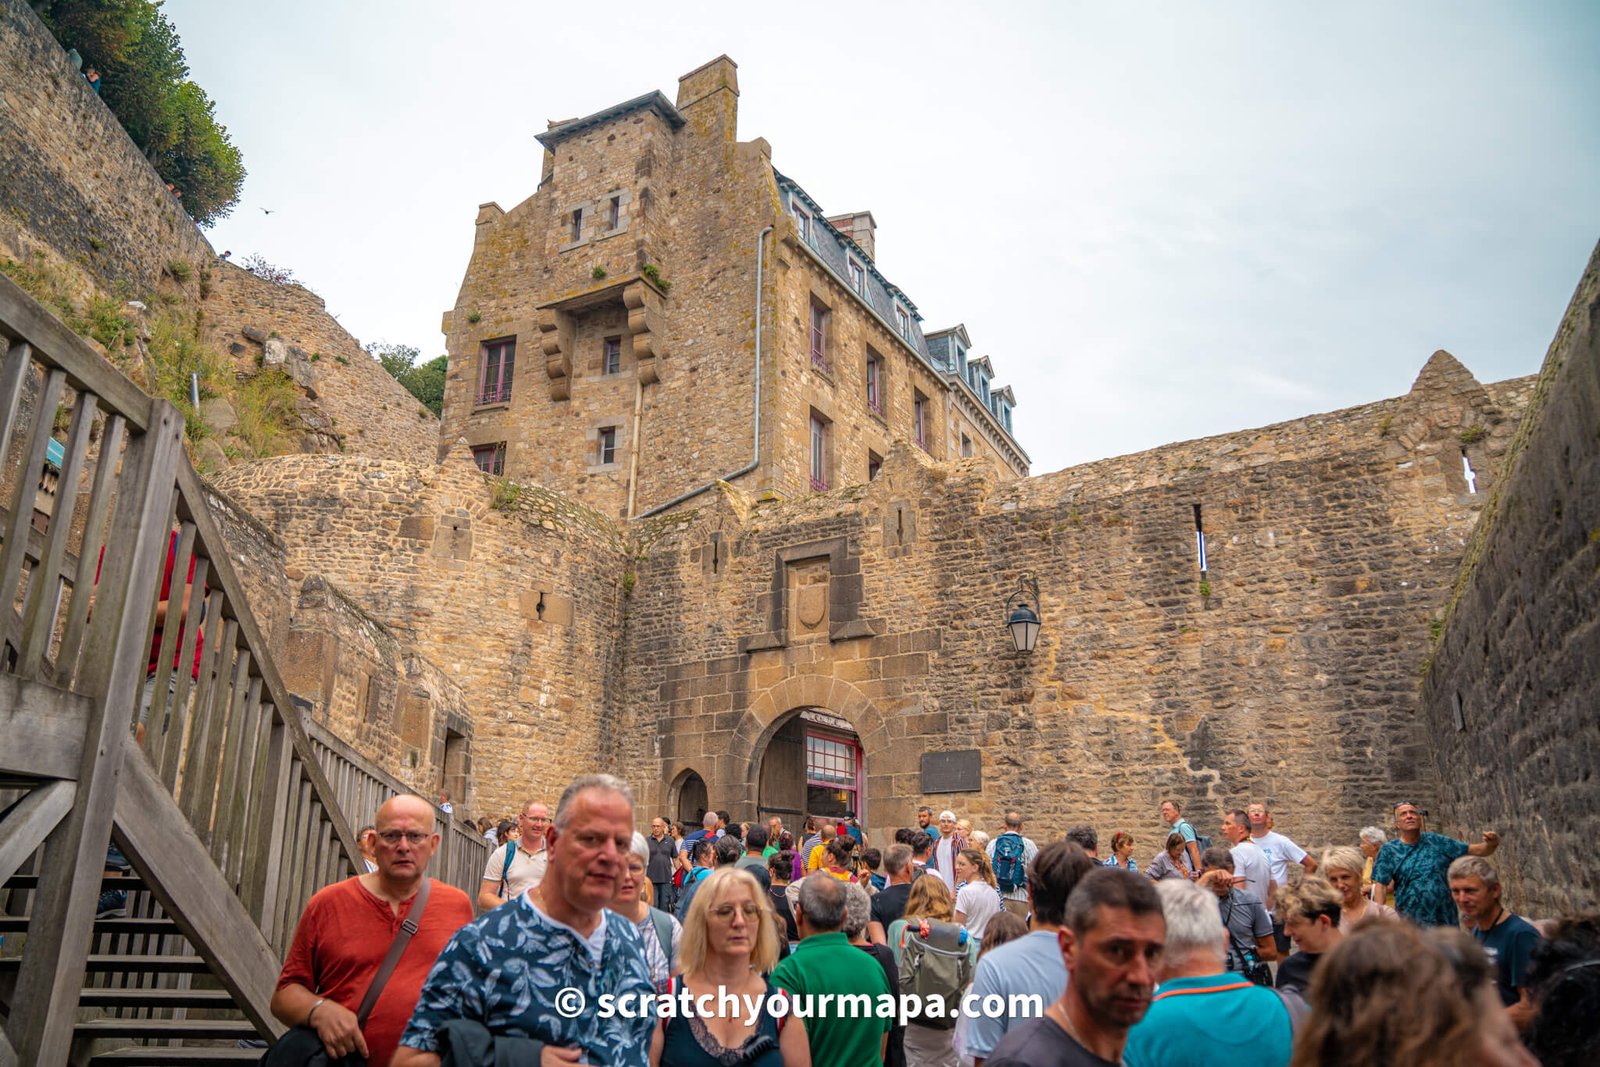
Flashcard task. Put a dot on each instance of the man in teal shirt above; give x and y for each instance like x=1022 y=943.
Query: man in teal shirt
x=1201 y=1012
x=852 y=1033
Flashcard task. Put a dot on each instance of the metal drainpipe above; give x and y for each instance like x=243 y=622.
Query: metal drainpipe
x=633 y=444
x=755 y=456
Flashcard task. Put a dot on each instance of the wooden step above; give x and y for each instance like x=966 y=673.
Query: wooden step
x=167 y=1029
x=125 y=882
x=18 y=924
x=149 y=1056
x=128 y=964
x=155 y=998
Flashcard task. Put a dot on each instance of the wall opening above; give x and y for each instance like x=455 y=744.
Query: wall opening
x=692 y=800
x=812 y=766
x=1468 y=473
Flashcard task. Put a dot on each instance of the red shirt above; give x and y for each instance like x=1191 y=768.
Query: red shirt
x=343 y=936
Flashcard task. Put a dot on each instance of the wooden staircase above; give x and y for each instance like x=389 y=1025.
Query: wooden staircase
x=221 y=805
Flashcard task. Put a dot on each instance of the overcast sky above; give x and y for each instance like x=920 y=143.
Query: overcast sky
x=1162 y=221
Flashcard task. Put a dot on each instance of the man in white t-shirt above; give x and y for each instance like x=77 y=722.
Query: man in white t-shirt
x=1280 y=852
x=946 y=849
x=1249 y=862
x=502 y=880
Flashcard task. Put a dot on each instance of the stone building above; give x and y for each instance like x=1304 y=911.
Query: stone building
x=769 y=648
x=668 y=310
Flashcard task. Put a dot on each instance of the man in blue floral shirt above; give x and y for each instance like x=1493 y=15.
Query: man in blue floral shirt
x=537 y=967
x=1415 y=865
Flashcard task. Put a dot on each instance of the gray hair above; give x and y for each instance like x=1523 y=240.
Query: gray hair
x=897 y=858
x=1474 y=866
x=609 y=783
x=641 y=847
x=822 y=898
x=1346 y=858
x=857 y=909
x=1372 y=835
x=709 y=820
x=1194 y=925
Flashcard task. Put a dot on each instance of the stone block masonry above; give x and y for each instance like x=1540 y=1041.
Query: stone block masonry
x=516 y=594
x=1333 y=541
x=70 y=178
x=1509 y=707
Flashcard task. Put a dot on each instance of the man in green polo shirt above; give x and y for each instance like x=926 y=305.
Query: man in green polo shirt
x=842 y=1033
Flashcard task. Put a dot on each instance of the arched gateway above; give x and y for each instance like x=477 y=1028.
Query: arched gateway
x=813 y=765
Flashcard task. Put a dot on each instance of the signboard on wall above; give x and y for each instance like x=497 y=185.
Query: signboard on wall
x=952 y=772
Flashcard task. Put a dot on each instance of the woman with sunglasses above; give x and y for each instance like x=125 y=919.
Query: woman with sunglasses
x=730 y=942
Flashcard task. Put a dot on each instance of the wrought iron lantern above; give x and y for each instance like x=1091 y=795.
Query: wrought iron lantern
x=1022 y=614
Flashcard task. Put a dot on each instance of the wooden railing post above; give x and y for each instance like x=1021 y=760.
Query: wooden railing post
x=60 y=929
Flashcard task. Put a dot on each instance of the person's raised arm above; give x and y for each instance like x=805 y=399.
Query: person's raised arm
x=1486 y=847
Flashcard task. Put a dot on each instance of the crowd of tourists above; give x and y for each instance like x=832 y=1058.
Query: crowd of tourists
x=950 y=943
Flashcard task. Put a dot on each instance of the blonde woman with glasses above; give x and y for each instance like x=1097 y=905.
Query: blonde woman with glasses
x=730 y=941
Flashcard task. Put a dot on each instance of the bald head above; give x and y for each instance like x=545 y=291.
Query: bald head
x=403 y=843
x=409 y=803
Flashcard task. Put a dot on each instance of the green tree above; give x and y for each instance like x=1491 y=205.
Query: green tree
x=425 y=382
x=144 y=81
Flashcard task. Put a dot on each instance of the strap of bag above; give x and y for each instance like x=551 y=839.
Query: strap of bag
x=505 y=872
x=396 y=948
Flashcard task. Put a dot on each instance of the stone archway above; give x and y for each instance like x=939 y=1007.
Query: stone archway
x=689 y=799
x=844 y=712
x=813 y=765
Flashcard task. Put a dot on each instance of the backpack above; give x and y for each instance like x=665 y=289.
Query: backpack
x=1009 y=870
x=935 y=964
x=1201 y=841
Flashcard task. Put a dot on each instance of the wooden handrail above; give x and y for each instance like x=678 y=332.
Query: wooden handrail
x=243 y=783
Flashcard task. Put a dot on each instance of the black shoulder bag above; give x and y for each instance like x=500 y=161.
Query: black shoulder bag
x=301 y=1047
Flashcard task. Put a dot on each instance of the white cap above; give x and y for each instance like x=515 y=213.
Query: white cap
x=943 y=815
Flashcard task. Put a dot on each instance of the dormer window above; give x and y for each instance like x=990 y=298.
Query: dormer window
x=902 y=322
x=858 y=278
x=802 y=221
x=961 y=360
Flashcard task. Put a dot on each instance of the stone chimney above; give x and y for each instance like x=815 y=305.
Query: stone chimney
x=708 y=97
x=859 y=226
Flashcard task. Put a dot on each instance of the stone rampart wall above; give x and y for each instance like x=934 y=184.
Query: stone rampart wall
x=70 y=177
x=516 y=594
x=1333 y=543
x=1509 y=706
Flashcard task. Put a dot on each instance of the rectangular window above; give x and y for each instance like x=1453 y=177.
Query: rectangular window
x=833 y=774
x=819 y=453
x=495 y=368
x=874 y=465
x=874 y=382
x=576 y=225
x=611 y=362
x=858 y=278
x=819 y=334
x=919 y=420
x=966 y=447
x=902 y=322
x=614 y=220
x=608 y=444
x=491 y=459
x=961 y=361
x=802 y=221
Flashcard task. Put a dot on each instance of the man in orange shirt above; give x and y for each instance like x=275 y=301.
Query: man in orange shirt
x=346 y=931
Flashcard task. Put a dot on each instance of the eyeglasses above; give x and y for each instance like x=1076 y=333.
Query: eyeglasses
x=411 y=837
x=725 y=912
